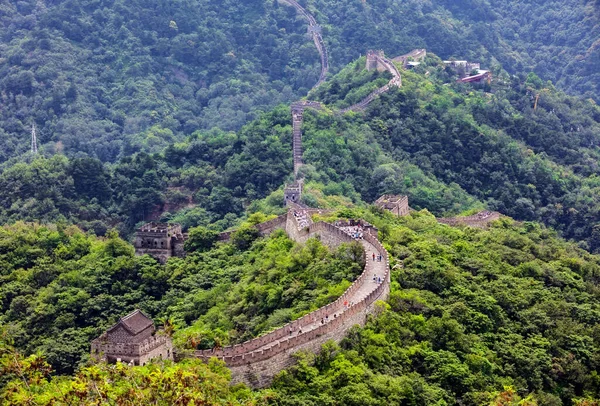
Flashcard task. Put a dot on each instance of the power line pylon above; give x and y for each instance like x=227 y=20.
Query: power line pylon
x=34 y=149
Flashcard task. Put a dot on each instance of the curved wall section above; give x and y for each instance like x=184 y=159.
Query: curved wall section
x=256 y=361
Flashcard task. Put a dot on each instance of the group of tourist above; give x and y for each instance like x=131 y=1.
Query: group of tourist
x=356 y=232
x=302 y=219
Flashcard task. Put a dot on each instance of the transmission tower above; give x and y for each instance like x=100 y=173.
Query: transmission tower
x=34 y=149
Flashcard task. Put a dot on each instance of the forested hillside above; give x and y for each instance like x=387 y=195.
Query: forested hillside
x=475 y=317
x=109 y=78
x=105 y=78
x=60 y=288
x=449 y=147
x=179 y=112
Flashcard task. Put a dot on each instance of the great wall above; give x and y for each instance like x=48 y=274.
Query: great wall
x=479 y=220
x=257 y=361
x=315 y=30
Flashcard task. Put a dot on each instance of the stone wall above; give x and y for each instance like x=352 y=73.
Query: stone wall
x=256 y=365
x=415 y=55
x=261 y=373
x=161 y=347
x=268 y=227
x=178 y=247
x=264 y=229
x=480 y=220
x=139 y=353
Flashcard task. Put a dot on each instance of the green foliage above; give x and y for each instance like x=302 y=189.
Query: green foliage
x=109 y=79
x=190 y=382
x=60 y=288
x=501 y=317
x=244 y=237
x=200 y=239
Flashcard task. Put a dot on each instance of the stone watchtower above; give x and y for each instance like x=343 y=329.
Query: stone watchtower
x=374 y=60
x=133 y=340
x=396 y=204
x=292 y=193
x=160 y=240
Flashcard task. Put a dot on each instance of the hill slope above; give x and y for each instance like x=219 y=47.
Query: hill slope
x=474 y=317
x=108 y=78
x=451 y=148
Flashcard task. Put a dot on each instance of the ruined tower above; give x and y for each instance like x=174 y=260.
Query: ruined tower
x=160 y=240
x=398 y=205
x=374 y=60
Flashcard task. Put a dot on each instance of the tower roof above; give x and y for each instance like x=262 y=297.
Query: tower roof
x=134 y=322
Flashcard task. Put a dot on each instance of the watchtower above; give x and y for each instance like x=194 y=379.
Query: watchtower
x=292 y=193
x=374 y=60
x=396 y=204
x=159 y=240
x=133 y=340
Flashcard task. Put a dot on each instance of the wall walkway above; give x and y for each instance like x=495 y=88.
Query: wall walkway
x=395 y=81
x=315 y=30
x=256 y=361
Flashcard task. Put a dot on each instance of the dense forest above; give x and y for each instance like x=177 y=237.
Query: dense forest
x=450 y=148
x=475 y=316
x=178 y=111
x=108 y=78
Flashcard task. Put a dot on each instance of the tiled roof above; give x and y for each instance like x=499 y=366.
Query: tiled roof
x=137 y=321
x=134 y=322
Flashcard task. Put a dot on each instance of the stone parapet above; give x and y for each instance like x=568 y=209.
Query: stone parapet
x=100 y=347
